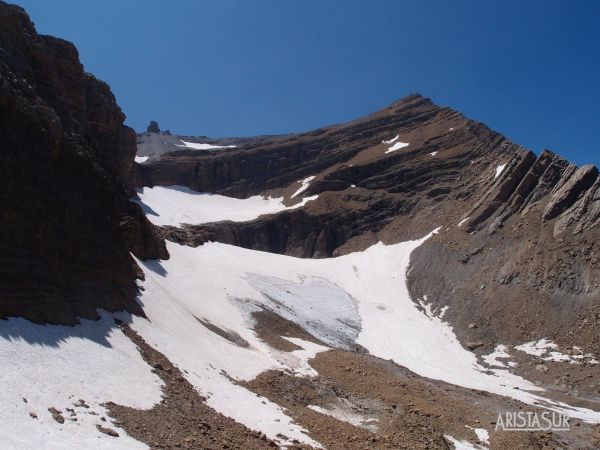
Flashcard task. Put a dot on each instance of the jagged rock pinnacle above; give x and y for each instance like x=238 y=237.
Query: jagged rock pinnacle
x=153 y=127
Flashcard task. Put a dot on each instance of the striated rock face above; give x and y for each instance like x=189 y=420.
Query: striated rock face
x=265 y=163
x=448 y=170
x=366 y=191
x=571 y=190
x=153 y=127
x=66 y=163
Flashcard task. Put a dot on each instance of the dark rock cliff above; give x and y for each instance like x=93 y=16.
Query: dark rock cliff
x=66 y=163
x=523 y=263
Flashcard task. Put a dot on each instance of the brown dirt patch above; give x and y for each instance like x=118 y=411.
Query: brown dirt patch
x=270 y=328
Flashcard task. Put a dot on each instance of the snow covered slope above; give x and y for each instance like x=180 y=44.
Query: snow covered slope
x=49 y=366
x=220 y=283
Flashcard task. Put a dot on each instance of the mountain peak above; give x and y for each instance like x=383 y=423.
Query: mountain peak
x=153 y=127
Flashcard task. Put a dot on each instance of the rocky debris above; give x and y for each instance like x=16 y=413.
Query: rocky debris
x=66 y=175
x=81 y=404
x=33 y=415
x=541 y=367
x=153 y=127
x=410 y=411
x=56 y=414
x=108 y=431
x=474 y=345
x=228 y=335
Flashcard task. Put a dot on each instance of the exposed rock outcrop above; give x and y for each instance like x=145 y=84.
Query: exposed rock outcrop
x=153 y=127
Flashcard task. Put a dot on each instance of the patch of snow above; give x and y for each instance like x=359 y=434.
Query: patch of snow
x=428 y=310
x=433 y=153
x=297 y=360
x=176 y=205
x=348 y=416
x=482 y=434
x=391 y=141
x=499 y=353
x=463 y=221
x=397 y=146
x=451 y=129
x=499 y=170
x=304 y=185
x=352 y=185
x=141 y=159
x=198 y=146
x=547 y=350
x=462 y=445
x=442 y=312
x=537 y=348
x=55 y=366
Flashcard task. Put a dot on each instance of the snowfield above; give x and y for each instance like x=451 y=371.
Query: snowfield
x=178 y=205
x=199 y=146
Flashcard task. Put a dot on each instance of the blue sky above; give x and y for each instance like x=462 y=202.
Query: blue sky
x=529 y=69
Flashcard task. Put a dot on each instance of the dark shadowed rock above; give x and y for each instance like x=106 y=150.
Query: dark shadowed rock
x=66 y=173
x=153 y=127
